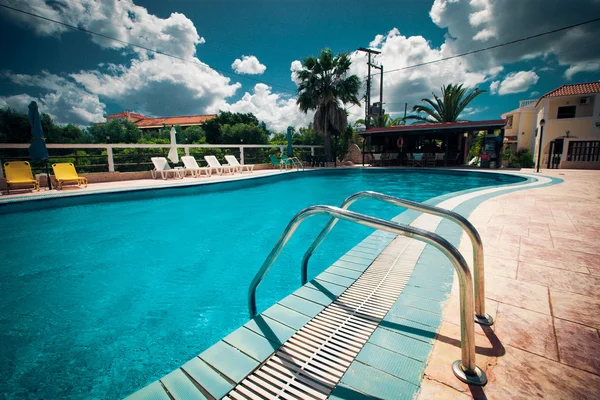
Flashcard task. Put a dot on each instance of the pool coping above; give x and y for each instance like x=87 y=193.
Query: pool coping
x=218 y=369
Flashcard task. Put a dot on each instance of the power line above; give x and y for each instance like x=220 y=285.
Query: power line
x=495 y=46
x=142 y=47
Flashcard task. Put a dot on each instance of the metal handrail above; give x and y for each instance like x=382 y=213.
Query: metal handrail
x=465 y=369
x=480 y=316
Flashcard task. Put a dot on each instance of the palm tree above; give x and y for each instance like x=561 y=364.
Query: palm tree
x=447 y=109
x=325 y=87
x=386 y=120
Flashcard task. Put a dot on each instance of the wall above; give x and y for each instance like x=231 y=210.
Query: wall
x=527 y=140
x=514 y=129
x=579 y=165
x=558 y=127
x=583 y=110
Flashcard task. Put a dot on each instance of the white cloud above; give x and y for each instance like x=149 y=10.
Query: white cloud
x=498 y=21
x=412 y=85
x=276 y=110
x=590 y=66
x=535 y=93
x=248 y=65
x=515 y=82
x=63 y=99
x=294 y=67
x=494 y=87
x=122 y=20
x=153 y=84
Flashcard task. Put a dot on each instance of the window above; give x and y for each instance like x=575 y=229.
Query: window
x=566 y=112
x=509 y=121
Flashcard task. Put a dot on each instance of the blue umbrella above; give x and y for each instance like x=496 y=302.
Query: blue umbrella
x=38 y=150
x=290 y=151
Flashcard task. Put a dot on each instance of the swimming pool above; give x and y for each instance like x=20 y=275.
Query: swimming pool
x=102 y=294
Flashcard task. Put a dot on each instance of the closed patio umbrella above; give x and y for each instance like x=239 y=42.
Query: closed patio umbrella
x=37 y=149
x=173 y=156
x=290 y=149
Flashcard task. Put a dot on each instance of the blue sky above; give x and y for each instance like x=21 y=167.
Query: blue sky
x=78 y=78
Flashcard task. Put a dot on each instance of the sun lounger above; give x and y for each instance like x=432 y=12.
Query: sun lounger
x=233 y=162
x=162 y=167
x=215 y=165
x=276 y=162
x=18 y=173
x=65 y=172
x=191 y=165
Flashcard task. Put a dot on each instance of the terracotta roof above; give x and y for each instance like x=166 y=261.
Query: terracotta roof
x=474 y=125
x=133 y=116
x=183 y=120
x=573 y=90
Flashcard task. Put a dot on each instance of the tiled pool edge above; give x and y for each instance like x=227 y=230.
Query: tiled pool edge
x=417 y=312
x=215 y=371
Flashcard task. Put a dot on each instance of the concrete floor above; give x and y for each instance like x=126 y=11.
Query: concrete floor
x=542 y=261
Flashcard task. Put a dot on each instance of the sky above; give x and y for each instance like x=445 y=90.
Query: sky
x=240 y=55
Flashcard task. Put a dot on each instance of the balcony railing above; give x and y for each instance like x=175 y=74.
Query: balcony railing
x=525 y=103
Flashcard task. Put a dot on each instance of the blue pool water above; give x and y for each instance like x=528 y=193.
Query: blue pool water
x=102 y=294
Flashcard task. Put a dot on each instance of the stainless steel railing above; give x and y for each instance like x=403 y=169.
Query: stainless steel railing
x=480 y=316
x=465 y=368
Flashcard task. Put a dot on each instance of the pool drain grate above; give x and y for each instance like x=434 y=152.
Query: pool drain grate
x=310 y=364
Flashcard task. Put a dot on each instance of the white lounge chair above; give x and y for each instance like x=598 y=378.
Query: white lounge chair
x=214 y=164
x=233 y=162
x=161 y=165
x=191 y=165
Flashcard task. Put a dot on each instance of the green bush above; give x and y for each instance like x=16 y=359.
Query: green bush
x=525 y=158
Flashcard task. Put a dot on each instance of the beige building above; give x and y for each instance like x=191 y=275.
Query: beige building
x=571 y=132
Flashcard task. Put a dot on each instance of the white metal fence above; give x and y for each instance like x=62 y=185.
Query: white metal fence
x=136 y=157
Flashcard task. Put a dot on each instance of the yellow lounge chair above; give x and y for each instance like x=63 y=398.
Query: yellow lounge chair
x=18 y=173
x=65 y=172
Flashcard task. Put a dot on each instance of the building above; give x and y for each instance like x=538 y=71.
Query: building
x=144 y=122
x=433 y=144
x=571 y=129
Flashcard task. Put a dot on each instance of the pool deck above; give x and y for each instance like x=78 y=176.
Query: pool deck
x=383 y=321
x=128 y=185
x=542 y=260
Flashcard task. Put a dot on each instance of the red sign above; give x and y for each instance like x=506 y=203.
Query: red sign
x=485 y=157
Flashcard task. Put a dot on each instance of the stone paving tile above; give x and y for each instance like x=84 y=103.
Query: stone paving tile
x=500 y=266
x=530 y=253
x=556 y=265
x=520 y=294
x=537 y=243
x=583 y=310
x=522 y=375
x=447 y=350
x=434 y=390
x=589 y=246
x=568 y=281
x=452 y=312
x=526 y=330
x=579 y=346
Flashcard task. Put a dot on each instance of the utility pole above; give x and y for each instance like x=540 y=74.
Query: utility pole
x=368 y=94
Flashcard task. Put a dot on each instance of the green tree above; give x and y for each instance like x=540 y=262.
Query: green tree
x=384 y=121
x=212 y=127
x=454 y=100
x=14 y=126
x=243 y=133
x=192 y=135
x=325 y=87
x=115 y=131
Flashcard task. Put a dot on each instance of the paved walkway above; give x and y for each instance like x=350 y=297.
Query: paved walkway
x=115 y=186
x=542 y=260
